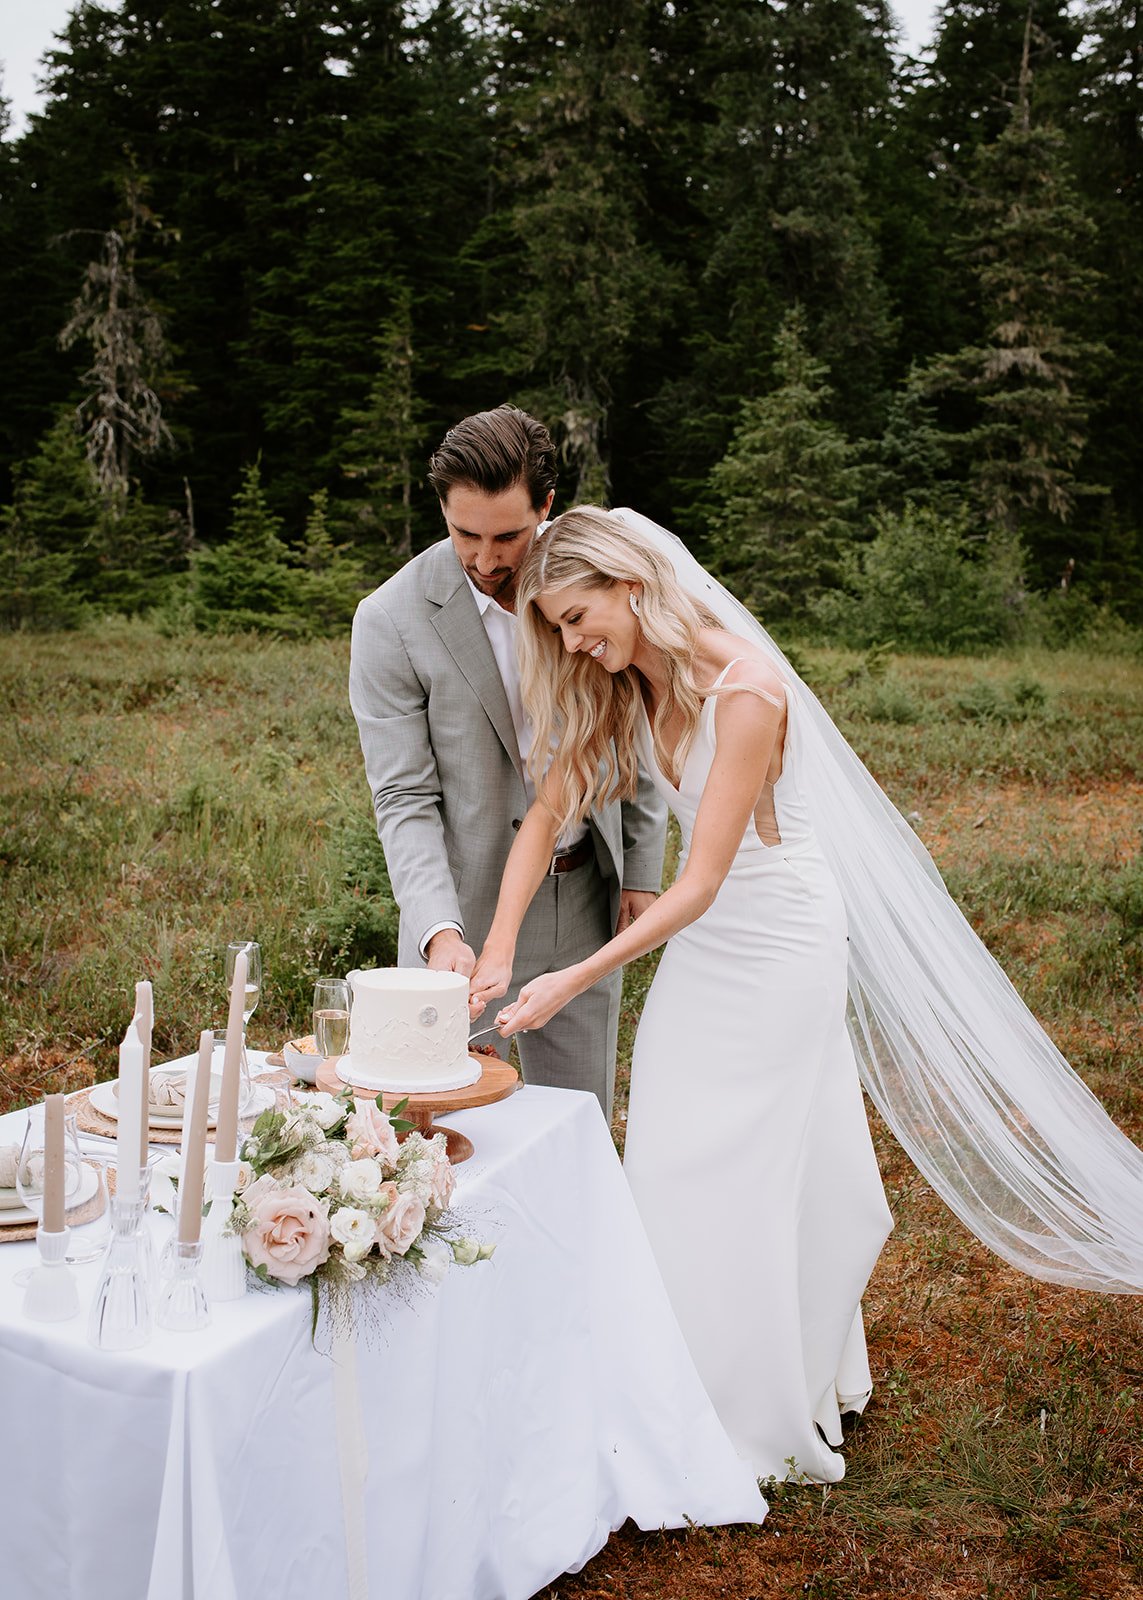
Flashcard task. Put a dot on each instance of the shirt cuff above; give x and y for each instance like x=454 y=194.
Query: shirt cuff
x=435 y=929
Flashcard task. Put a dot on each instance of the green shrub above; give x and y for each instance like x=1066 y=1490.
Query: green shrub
x=924 y=583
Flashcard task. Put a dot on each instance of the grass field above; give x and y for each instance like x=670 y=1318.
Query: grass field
x=159 y=797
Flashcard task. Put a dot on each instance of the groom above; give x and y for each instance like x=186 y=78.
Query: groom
x=434 y=686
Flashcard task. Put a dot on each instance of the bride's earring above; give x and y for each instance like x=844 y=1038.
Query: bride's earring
x=634 y=599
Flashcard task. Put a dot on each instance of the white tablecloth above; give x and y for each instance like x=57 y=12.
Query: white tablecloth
x=513 y=1418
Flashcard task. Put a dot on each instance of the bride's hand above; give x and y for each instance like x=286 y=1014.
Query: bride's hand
x=490 y=979
x=538 y=1002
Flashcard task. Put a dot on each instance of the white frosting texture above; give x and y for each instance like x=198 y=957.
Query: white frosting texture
x=408 y=1030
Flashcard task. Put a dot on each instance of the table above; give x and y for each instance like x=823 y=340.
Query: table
x=513 y=1418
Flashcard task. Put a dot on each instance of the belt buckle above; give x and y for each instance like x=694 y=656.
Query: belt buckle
x=553 y=870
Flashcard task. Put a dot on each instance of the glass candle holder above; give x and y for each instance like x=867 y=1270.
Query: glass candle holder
x=183 y=1306
x=120 y=1316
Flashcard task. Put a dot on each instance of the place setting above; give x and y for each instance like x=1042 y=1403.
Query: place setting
x=97 y=1110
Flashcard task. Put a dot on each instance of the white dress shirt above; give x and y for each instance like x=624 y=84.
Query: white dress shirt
x=500 y=626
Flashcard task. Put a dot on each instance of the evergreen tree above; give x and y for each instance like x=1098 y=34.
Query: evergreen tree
x=385 y=439
x=1108 y=143
x=49 y=534
x=247 y=582
x=787 y=488
x=915 y=454
x=793 y=102
x=958 y=98
x=1025 y=240
x=589 y=290
x=122 y=415
x=333 y=575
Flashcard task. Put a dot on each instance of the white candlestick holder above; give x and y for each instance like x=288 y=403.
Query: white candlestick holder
x=120 y=1316
x=223 y=1264
x=51 y=1295
x=183 y=1305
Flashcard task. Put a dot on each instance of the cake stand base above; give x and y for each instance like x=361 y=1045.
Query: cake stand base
x=496 y=1082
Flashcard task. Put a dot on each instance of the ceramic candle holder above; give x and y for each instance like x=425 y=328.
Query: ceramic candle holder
x=223 y=1264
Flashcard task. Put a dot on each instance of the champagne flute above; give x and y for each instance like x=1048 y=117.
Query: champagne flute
x=253 y=976
x=250 y=1000
x=331 y=1016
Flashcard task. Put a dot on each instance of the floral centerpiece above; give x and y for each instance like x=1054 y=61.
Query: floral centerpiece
x=333 y=1195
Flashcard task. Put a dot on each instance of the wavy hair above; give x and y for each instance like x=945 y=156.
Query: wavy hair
x=586 y=714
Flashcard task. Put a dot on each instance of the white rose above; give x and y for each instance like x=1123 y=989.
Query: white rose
x=360 y=1180
x=435 y=1259
x=465 y=1251
x=315 y=1169
x=354 y=1230
x=245 y=1177
x=328 y=1110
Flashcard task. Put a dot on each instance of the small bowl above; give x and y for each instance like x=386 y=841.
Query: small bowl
x=301 y=1057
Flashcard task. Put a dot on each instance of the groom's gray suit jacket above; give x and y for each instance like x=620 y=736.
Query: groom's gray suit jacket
x=443 y=762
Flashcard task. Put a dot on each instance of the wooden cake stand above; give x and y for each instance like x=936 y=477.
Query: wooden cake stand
x=496 y=1082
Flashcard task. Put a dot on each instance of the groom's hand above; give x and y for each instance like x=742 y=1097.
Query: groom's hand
x=632 y=904
x=447 y=952
x=490 y=980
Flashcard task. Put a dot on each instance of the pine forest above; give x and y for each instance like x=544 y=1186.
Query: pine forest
x=867 y=330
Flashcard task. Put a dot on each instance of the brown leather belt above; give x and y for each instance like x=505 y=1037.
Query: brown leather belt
x=578 y=856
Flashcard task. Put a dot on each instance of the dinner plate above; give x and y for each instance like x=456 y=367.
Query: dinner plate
x=12 y=1216
x=104 y=1098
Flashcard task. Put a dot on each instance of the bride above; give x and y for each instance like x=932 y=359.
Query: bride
x=747 y=1147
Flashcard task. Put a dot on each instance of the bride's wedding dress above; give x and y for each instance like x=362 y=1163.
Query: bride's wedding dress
x=748 y=1149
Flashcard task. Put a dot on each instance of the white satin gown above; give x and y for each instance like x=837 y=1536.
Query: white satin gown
x=748 y=1149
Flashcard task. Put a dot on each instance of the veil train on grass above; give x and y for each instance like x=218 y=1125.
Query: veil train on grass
x=984 y=1103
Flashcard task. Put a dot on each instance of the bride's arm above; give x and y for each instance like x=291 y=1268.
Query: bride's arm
x=748 y=729
x=524 y=872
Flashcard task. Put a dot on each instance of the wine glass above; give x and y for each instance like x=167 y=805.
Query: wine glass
x=331 y=1016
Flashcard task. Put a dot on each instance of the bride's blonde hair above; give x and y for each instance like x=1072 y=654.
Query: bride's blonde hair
x=578 y=709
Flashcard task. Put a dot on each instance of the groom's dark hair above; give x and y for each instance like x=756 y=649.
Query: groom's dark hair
x=493 y=451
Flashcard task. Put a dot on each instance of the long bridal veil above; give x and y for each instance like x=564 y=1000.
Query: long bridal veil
x=986 y=1106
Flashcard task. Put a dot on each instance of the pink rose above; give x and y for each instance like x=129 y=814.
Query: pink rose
x=443 y=1184
x=288 y=1232
x=401 y=1225
x=370 y=1133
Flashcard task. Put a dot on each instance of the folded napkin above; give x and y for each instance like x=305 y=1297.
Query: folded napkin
x=166 y=1091
x=9 y=1154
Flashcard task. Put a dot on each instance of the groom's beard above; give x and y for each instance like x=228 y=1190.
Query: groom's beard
x=500 y=585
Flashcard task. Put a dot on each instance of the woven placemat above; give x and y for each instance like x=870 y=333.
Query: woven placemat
x=89 y=1120
x=85 y=1213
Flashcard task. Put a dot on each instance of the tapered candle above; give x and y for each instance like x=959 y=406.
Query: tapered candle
x=226 y=1133
x=145 y=1022
x=54 y=1164
x=132 y=1113
x=195 y=1112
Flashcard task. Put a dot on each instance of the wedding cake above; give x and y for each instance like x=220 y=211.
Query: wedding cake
x=408 y=1032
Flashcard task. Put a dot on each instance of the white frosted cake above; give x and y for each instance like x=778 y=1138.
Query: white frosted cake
x=408 y=1032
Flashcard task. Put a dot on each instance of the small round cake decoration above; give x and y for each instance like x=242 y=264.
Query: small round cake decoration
x=428 y=1016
